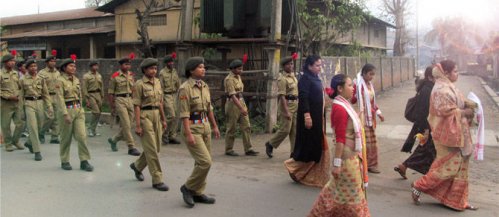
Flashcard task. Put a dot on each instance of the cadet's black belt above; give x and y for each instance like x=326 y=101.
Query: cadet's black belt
x=198 y=117
x=150 y=108
x=172 y=92
x=123 y=95
x=94 y=91
x=33 y=98
x=73 y=104
x=291 y=97
x=52 y=93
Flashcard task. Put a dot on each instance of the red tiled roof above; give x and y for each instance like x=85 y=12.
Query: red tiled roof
x=53 y=16
x=62 y=32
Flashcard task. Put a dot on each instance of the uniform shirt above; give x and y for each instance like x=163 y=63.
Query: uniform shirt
x=287 y=84
x=233 y=84
x=9 y=85
x=68 y=90
x=121 y=84
x=193 y=98
x=92 y=82
x=21 y=75
x=147 y=92
x=170 y=81
x=34 y=87
x=50 y=77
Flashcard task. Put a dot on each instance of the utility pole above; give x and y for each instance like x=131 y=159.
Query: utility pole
x=184 y=47
x=417 y=36
x=274 y=56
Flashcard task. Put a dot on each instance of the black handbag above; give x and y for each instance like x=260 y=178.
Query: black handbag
x=410 y=109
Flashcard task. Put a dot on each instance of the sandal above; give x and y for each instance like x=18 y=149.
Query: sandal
x=471 y=207
x=401 y=173
x=415 y=195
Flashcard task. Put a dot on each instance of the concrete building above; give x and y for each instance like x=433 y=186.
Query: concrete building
x=163 y=26
x=85 y=32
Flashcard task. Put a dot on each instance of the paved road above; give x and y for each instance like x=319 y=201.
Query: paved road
x=243 y=186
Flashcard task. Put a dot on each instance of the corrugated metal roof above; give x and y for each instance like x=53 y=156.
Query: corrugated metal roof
x=62 y=32
x=53 y=16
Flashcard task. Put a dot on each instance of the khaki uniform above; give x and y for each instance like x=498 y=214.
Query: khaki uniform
x=51 y=122
x=69 y=102
x=234 y=86
x=10 y=110
x=170 y=82
x=287 y=87
x=121 y=87
x=148 y=96
x=195 y=104
x=93 y=92
x=35 y=98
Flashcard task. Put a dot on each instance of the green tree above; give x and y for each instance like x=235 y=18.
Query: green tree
x=95 y=3
x=323 y=22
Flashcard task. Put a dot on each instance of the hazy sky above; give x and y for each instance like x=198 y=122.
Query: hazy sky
x=10 y=8
x=485 y=11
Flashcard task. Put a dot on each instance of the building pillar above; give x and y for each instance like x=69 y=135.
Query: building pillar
x=184 y=48
x=93 y=48
x=274 y=55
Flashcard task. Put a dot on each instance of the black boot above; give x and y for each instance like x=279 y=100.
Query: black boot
x=173 y=141
x=203 y=199
x=138 y=175
x=161 y=186
x=66 y=166
x=187 y=195
x=269 y=149
x=84 y=165
x=38 y=156
x=30 y=147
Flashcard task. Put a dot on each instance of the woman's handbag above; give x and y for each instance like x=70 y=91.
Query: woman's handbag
x=410 y=109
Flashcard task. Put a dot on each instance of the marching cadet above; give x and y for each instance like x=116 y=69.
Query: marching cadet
x=33 y=91
x=21 y=68
x=93 y=92
x=9 y=104
x=170 y=83
x=71 y=115
x=236 y=111
x=50 y=74
x=150 y=122
x=288 y=105
x=120 y=98
x=195 y=111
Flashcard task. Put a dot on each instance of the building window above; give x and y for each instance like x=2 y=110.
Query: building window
x=157 y=20
x=376 y=33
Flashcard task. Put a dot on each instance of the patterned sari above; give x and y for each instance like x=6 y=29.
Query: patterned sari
x=447 y=180
x=311 y=173
x=345 y=195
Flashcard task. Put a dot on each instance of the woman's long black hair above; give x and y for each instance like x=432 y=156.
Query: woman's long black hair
x=310 y=61
x=337 y=81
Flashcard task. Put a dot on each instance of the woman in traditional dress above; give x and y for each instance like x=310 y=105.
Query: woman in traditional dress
x=344 y=194
x=309 y=162
x=365 y=97
x=424 y=154
x=449 y=118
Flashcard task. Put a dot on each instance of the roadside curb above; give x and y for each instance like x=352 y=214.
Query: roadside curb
x=490 y=92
